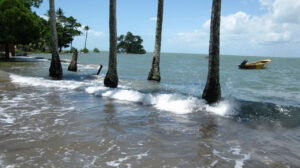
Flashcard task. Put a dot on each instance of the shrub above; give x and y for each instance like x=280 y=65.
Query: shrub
x=96 y=50
x=85 y=50
x=72 y=50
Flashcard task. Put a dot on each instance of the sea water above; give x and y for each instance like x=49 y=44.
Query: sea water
x=77 y=122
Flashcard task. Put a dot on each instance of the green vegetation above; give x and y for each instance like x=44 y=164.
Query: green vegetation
x=96 y=50
x=67 y=29
x=19 y=25
x=34 y=3
x=130 y=44
x=73 y=26
x=72 y=49
x=14 y=14
x=85 y=50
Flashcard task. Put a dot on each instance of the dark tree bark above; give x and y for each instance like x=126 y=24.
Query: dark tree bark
x=111 y=79
x=13 y=51
x=55 y=69
x=154 y=73
x=6 y=51
x=212 y=91
x=73 y=64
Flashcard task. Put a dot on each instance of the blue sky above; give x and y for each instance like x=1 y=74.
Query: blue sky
x=249 y=27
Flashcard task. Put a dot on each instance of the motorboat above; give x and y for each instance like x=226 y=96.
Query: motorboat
x=254 y=65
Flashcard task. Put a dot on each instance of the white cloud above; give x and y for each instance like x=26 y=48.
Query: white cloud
x=280 y=25
x=96 y=33
x=153 y=18
x=286 y=11
x=44 y=17
x=266 y=3
x=192 y=36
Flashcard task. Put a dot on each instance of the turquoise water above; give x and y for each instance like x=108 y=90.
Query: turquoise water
x=186 y=73
x=76 y=122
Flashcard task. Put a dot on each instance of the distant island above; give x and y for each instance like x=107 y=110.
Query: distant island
x=131 y=44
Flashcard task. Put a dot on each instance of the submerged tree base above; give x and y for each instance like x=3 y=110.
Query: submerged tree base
x=55 y=70
x=154 y=73
x=154 y=76
x=212 y=93
x=73 y=64
x=111 y=80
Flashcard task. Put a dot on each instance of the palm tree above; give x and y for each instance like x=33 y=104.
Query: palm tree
x=60 y=15
x=154 y=73
x=73 y=25
x=86 y=28
x=111 y=78
x=55 y=69
x=212 y=91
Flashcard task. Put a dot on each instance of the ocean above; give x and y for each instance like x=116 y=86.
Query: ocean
x=77 y=122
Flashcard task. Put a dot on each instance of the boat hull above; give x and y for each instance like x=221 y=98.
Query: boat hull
x=256 y=65
x=260 y=66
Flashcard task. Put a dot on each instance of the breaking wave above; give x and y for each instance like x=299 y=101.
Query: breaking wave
x=171 y=102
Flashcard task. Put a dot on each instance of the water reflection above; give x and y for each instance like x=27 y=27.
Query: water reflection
x=111 y=125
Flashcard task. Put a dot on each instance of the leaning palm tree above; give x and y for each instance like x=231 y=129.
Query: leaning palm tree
x=86 y=28
x=111 y=78
x=55 y=69
x=212 y=91
x=154 y=73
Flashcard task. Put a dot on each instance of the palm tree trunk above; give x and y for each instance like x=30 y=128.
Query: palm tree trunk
x=13 y=51
x=6 y=51
x=85 y=39
x=212 y=91
x=55 y=69
x=111 y=78
x=73 y=64
x=154 y=73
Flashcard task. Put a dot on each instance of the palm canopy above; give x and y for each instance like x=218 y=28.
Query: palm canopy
x=86 y=28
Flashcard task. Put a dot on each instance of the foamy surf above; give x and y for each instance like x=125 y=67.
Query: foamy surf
x=172 y=102
x=35 y=81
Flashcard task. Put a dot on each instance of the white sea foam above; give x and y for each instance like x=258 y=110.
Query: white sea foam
x=167 y=102
x=116 y=163
x=239 y=163
x=238 y=157
x=221 y=108
x=172 y=102
x=35 y=81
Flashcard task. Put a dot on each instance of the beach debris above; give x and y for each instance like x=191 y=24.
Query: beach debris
x=99 y=69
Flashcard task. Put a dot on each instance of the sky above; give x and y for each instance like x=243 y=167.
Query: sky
x=248 y=27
